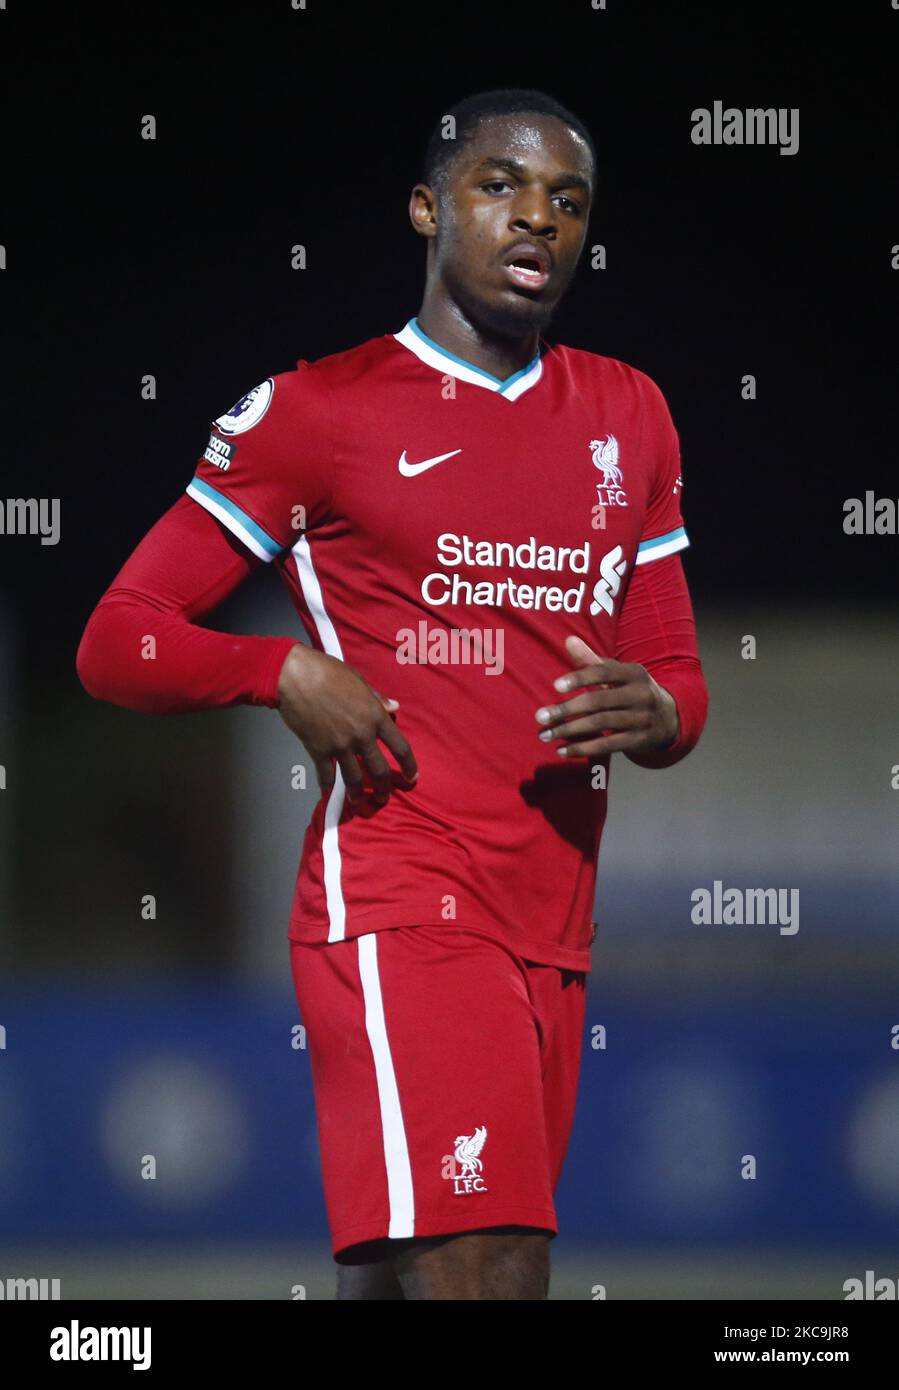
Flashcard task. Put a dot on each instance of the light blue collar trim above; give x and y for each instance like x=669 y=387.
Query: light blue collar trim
x=431 y=353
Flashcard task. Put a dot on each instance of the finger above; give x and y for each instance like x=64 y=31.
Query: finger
x=324 y=771
x=387 y=701
x=596 y=747
x=390 y=734
x=580 y=653
x=379 y=771
x=618 y=697
x=593 y=725
x=352 y=775
x=604 y=671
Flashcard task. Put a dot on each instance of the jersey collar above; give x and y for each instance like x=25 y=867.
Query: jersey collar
x=417 y=341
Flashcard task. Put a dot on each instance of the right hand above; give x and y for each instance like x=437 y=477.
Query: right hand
x=336 y=714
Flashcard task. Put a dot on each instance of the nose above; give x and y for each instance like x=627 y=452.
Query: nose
x=534 y=213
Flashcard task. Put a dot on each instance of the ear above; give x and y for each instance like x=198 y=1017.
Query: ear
x=423 y=210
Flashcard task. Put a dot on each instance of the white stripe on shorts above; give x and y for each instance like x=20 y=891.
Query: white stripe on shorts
x=396 y=1151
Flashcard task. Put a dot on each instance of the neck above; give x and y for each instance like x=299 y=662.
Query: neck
x=450 y=327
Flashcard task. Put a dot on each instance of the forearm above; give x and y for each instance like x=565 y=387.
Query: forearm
x=140 y=648
x=158 y=663
x=658 y=630
x=686 y=685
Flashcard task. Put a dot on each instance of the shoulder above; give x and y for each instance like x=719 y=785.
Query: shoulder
x=610 y=374
x=340 y=369
x=302 y=389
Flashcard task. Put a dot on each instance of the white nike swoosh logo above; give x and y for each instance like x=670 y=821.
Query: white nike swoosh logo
x=411 y=470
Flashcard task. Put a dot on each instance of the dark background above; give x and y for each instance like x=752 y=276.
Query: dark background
x=172 y=257
x=277 y=126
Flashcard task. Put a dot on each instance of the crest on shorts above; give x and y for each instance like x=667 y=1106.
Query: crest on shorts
x=468 y=1165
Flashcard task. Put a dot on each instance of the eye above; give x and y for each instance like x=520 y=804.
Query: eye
x=572 y=205
x=497 y=183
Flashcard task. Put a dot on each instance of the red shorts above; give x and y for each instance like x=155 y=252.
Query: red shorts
x=445 y=1071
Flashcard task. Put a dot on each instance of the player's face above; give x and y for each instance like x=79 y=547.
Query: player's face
x=522 y=181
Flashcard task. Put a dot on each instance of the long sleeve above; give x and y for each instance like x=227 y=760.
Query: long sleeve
x=141 y=649
x=657 y=629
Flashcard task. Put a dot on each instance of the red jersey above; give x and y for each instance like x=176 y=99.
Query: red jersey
x=443 y=531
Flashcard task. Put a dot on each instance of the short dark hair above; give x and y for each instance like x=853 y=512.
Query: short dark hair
x=468 y=114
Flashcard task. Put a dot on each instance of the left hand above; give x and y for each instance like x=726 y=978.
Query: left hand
x=626 y=710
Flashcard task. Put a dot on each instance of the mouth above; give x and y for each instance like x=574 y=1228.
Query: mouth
x=527 y=267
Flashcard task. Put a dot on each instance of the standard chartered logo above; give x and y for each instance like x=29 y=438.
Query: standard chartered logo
x=448 y=586
x=605 y=590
